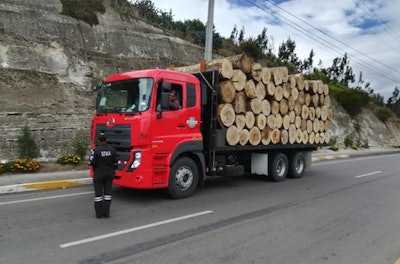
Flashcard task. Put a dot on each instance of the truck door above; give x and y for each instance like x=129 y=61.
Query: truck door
x=170 y=127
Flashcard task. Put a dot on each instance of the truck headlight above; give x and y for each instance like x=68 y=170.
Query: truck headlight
x=137 y=160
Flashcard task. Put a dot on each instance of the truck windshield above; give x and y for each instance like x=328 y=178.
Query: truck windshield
x=131 y=95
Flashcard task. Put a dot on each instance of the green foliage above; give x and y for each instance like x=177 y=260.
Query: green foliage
x=69 y=159
x=26 y=144
x=251 y=47
x=383 y=114
x=80 y=143
x=348 y=141
x=83 y=10
x=20 y=166
x=317 y=75
x=352 y=100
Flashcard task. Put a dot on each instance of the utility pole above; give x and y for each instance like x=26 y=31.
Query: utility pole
x=209 y=31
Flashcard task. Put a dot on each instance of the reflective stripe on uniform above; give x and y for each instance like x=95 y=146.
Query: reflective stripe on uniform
x=98 y=198
x=107 y=197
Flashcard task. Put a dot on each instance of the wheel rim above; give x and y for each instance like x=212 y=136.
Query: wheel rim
x=281 y=168
x=184 y=178
x=299 y=166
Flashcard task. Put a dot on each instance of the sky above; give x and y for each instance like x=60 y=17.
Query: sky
x=367 y=30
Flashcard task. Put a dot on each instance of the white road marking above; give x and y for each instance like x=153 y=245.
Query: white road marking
x=45 y=198
x=368 y=174
x=134 y=229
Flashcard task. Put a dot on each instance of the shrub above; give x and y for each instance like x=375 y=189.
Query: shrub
x=252 y=48
x=21 y=165
x=69 y=159
x=348 y=141
x=383 y=114
x=26 y=144
x=352 y=100
x=80 y=143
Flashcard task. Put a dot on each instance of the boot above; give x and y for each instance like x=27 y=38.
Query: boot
x=106 y=206
x=98 y=206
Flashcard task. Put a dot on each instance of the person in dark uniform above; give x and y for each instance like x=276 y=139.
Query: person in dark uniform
x=173 y=101
x=103 y=162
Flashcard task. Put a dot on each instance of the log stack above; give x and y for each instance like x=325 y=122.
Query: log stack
x=261 y=105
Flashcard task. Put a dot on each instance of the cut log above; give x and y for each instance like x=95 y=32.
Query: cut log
x=286 y=122
x=326 y=89
x=271 y=89
x=292 y=134
x=307 y=99
x=278 y=93
x=291 y=103
x=305 y=111
x=240 y=121
x=232 y=135
x=311 y=115
x=315 y=100
x=250 y=89
x=276 y=75
x=254 y=136
x=265 y=75
x=261 y=121
x=238 y=79
x=304 y=137
x=278 y=121
x=226 y=69
x=239 y=104
x=249 y=119
x=294 y=93
x=283 y=107
x=226 y=114
x=324 y=113
x=265 y=107
x=300 y=81
x=284 y=136
x=227 y=92
x=292 y=81
x=266 y=135
x=292 y=117
x=309 y=126
x=255 y=105
x=271 y=121
x=297 y=108
x=244 y=136
x=299 y=134
x=274 y=107
x=260 y=90
x=275 y=136
x=256 y=70
x=286 y=90
x=311 y=138
x=297 y=121
x=327 y=101
x=316 y=126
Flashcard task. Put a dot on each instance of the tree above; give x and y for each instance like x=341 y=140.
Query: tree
x=393 y=99
x=241 y=35
x=263 y=41
x=26 y=144
x=340 y=71
x=286 y=53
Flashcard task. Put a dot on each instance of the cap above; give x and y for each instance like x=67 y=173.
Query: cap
x=102 y=137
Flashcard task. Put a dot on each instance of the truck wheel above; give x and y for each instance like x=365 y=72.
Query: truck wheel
x=183 y=178
x=278 y=167
x=297 y=165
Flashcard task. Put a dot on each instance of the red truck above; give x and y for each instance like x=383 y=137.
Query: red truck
x=177 y=149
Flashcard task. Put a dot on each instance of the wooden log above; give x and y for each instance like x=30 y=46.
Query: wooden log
x=292 y=117
x=307 y=99
x=226 y=69
x=226 y=114
x=242 y=62
x=255 y=105
x=286 y=90
x=244 y=136
x=265 y=107
x=326 y=89
x=299 y=81
x=324 y=113
x=249 y=119
x=283 y=107
x=226 y=92
x=239 y=79
x=311 y=115
x=299 y=135
x=286 y=122
x=311 y=138
x=278 y=93
x=297 y=121
x=232 y=135
x=292 y=134
x=266 y=135
x=271 y=121
x=284 y=136
x=297 y=107
x=309 y=126
x=292 y=81
x=305 y=111
x=261 y=121
x=254 y=136
x=275 y=136
x=265 y=75
x=250 y=89
x=291 y=103
x=274 y=107
x=315 y=100
x=270 y=89
x=239 y=104
x=278 y=121
x=260 y=90
x=256 y=70
x=304 y=137
x=240 y=121
x=294 y=93
x=316 y=126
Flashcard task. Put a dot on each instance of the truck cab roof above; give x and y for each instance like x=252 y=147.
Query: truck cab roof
x=153 y=73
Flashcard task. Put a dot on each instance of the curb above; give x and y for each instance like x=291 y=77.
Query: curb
x=46 y=185
x=322 y=158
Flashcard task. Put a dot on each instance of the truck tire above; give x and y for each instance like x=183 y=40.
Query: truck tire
x=278 y=167
x=297 y=165
x=183 y=178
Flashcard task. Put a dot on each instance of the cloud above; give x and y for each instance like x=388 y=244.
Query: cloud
x=367 y=30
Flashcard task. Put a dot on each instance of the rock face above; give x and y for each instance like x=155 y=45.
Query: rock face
x=48 y=61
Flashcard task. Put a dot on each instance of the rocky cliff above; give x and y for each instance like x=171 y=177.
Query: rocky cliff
x=48 y=61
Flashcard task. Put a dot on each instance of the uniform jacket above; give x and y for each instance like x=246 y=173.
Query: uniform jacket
x=104 y=162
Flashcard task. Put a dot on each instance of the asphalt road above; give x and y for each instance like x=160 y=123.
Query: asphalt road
x=342 y=211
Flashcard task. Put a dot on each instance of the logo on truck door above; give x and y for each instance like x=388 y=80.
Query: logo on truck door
x=192 y=122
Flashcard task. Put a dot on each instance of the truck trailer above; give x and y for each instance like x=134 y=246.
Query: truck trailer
x=177 y=150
